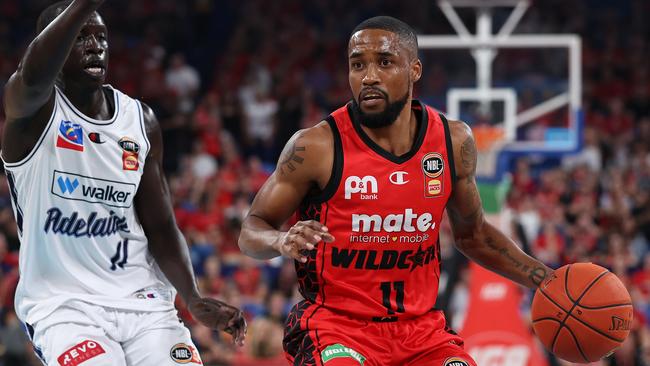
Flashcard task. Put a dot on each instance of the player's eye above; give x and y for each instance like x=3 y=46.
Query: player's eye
x=385 y=62
x=356 y=65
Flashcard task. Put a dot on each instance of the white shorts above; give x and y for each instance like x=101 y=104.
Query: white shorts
x=91 y=335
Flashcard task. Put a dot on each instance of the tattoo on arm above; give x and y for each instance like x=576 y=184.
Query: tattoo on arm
x=471 y=202
x=506 y=254
x=468 y=154
x=537 y=275
x=290 y=158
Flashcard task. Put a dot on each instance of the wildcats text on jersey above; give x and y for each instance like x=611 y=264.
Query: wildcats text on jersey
x=369 y=259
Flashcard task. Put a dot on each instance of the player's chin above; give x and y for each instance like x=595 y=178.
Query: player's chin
x=95 y=76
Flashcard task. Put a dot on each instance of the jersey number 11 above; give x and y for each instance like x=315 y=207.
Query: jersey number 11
x=386 y=290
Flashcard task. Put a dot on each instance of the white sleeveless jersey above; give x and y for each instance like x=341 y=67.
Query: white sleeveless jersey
x=73 y=200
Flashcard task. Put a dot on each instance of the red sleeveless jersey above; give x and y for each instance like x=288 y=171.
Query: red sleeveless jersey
x=384 y=212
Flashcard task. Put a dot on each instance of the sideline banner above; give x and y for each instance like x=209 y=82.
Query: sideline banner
x=494 y=332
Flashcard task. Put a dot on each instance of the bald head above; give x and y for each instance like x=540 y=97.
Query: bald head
x=404 y=32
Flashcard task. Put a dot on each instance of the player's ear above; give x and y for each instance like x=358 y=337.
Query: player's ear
x=416 y=70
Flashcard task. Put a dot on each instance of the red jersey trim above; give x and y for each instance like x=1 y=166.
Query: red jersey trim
x=423 y=125
x=337 y=167
x=450 y=149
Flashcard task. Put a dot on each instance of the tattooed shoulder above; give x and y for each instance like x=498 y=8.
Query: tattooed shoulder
x=292 y=156
x=465 y=152
x=468 y=154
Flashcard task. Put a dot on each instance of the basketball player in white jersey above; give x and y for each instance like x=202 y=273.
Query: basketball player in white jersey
x=101 y=257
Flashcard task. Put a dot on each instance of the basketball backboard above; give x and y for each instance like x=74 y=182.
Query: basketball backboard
x=514 y=108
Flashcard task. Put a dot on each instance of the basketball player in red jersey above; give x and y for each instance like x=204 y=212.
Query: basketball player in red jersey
x=370 y=184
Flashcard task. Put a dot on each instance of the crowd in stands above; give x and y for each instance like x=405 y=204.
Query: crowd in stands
x=231 y=81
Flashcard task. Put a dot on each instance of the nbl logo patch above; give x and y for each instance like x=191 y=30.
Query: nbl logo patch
x=183 y=354
x=433 y=165
x=455 y=361
x=70 y=136
x=130 y=151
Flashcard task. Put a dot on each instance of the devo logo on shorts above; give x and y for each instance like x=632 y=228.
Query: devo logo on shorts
x=183 y=353
x=455 y=361
x=80 y=353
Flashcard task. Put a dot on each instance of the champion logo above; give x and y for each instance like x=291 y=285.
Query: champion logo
x=96 y=138
x=398 y=178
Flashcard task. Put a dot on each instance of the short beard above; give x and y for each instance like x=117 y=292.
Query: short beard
x=383 y=118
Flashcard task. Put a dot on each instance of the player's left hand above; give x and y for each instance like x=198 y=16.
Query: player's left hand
x=221 y=316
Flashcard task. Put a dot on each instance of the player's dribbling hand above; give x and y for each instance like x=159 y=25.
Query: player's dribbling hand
x=301 y=237
x=218 y=315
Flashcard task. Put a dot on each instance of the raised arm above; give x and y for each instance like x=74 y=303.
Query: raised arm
x=31 y=86
x=305 y=164
x=167 y=244
x=474 y=236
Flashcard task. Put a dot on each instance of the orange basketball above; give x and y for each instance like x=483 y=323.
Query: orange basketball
x=583 y=314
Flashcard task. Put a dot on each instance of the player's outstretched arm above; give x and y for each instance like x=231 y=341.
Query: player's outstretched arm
x=167 y=244
x=305 y=163
x=474 y=236
x=31 y=86
x=29 y=92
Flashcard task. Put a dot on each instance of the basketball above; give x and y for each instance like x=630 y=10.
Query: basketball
x=583 y=314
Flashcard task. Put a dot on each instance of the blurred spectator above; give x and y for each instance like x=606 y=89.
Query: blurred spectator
x=183 y=80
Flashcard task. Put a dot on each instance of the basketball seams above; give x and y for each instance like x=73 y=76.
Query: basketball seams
x=576 y=318
x=552 y=300
x=597 y=330
x=582 y=353
x=575 y=302
x=546 y=318
x=604 y=306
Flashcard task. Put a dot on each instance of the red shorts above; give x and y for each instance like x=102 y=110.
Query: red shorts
x=316 y=336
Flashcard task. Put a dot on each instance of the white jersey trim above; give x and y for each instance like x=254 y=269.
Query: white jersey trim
x=38 y=144
x=143 y=127
x=74 y=109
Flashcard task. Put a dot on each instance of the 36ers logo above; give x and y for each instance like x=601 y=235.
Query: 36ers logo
x=70 y=136
x=433 y=165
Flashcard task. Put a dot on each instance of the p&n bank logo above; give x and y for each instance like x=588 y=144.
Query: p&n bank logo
x=366 y=186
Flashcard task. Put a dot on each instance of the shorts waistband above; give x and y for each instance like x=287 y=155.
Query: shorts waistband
x=384 y=319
